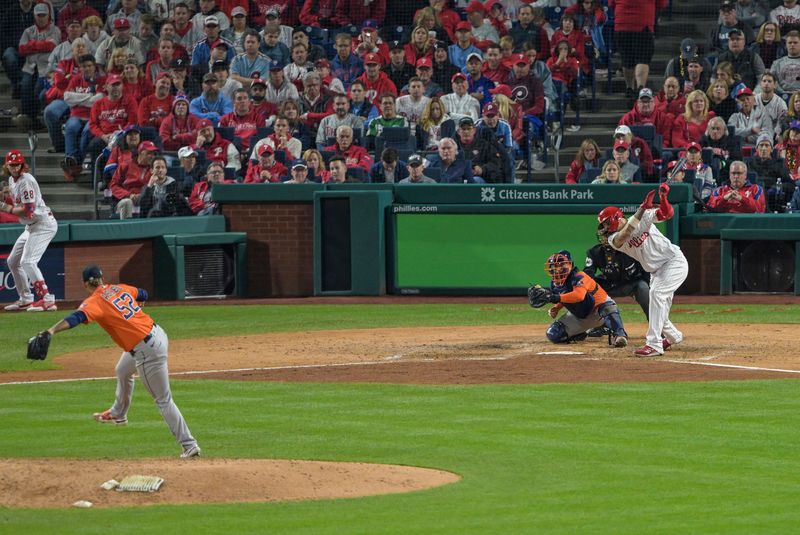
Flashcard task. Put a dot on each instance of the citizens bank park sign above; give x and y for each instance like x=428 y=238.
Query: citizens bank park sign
x=491 y=194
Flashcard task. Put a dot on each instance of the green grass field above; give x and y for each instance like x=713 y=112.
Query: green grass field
x=716 y=457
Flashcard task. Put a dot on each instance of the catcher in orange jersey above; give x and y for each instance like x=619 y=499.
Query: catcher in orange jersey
x=588 y=306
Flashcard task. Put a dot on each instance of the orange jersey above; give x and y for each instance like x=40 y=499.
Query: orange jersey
x=580 y=294
x=114 y=308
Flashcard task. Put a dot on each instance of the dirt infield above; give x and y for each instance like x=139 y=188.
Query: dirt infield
x=517 y=354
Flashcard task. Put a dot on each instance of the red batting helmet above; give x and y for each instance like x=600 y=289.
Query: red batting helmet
x=609 y=217
x=15 y=157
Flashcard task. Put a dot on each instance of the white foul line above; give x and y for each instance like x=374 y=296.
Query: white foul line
x=752 y=368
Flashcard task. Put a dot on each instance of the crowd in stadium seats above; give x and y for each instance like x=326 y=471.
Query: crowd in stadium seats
x=157 y=98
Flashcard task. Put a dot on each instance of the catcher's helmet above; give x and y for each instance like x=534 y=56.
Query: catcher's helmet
x=609 y=218
x=15 y=157
x=559 y=266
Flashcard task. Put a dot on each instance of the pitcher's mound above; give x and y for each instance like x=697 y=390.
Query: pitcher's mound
x=53 y=483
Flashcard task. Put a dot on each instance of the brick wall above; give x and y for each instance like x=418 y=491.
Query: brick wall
x=703 y=256
x=280 y=246
x=130 y=262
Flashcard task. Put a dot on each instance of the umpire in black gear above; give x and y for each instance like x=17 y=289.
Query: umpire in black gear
x=618 y=273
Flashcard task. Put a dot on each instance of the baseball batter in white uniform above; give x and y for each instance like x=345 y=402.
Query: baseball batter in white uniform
x=40 y=228
x=639 y=238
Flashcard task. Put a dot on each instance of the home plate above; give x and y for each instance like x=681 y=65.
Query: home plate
x=560 y=353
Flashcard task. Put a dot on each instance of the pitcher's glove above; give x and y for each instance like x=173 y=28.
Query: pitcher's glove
x=539 y=297
x=38 y=346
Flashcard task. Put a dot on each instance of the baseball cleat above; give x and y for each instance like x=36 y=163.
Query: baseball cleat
x=647 y=351
x=42 y=306
x=620 y=341
x=105 y=417
x=666 y=344
x=192 y=451
x=17 y=306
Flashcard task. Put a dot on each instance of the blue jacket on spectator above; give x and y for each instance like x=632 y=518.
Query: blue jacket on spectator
x=376 y=172
x=279 y=52
x=458 y=55
x=458 y=172
x=347 y=71
x=481 y=85
x=201 y=53
x=200 y=107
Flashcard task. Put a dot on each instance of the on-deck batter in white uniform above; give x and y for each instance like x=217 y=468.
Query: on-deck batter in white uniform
x=640 y=239
x=40 y=228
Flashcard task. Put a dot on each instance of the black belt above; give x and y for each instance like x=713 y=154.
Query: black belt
x=150 y=336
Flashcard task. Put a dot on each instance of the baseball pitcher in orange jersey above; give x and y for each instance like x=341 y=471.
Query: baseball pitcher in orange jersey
x=115 y=307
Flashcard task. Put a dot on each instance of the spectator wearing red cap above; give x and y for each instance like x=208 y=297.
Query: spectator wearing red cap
x=493 y=67
x=153 y=108
x=639 y=148
x=629 y=171
x=218 y=149
x=501 y=130
x=526 y=89
x=359 y=11
x=645 y=112
x=526 y=31
x=120 y=38
x=375 y=81
x=463 y=47
x=459 y=103
x=345 y=65
x=73 y=10
x=128 y=11
x=483 y=33
x=334 y=85
x=747 y=122
x=179 y=128
x=129 y=179
x=739 y=196
x=266 y=169
x=108 y=116
x=244 y=121
x=424 y=69
x=692 y=124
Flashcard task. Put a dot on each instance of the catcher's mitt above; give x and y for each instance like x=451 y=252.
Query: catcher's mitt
x=538 y=296
x=38 y=346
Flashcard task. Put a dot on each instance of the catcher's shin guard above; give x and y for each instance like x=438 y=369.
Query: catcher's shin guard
x=557 y=333
x=610 y=313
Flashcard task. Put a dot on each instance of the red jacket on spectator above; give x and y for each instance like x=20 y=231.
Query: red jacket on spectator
x=78 y=84
x=198 y=198
x=577 y=45
x=65 y=71
x=752 y=202
x=137 y=90
x=265 y=108
x=216 y=150
x=676 y=106
x=684 y=132
x=566 y=72
x=412 y=55
x=354 y=156
x=254 y=169
x=381 y=49
x=176 y=133
x=374 y=89
x=314 y=10
x=357 y=11
x=107 y=117
x=152 y=110
x=5 y=217
x=641 y=150
x=635 y=15
x=243 y=126
x=576 y=170
x=661 y=120
x=129 y=178
x=499 y=75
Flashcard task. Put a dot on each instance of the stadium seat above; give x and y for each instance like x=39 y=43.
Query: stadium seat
x=434 y=173
x=589 y=175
